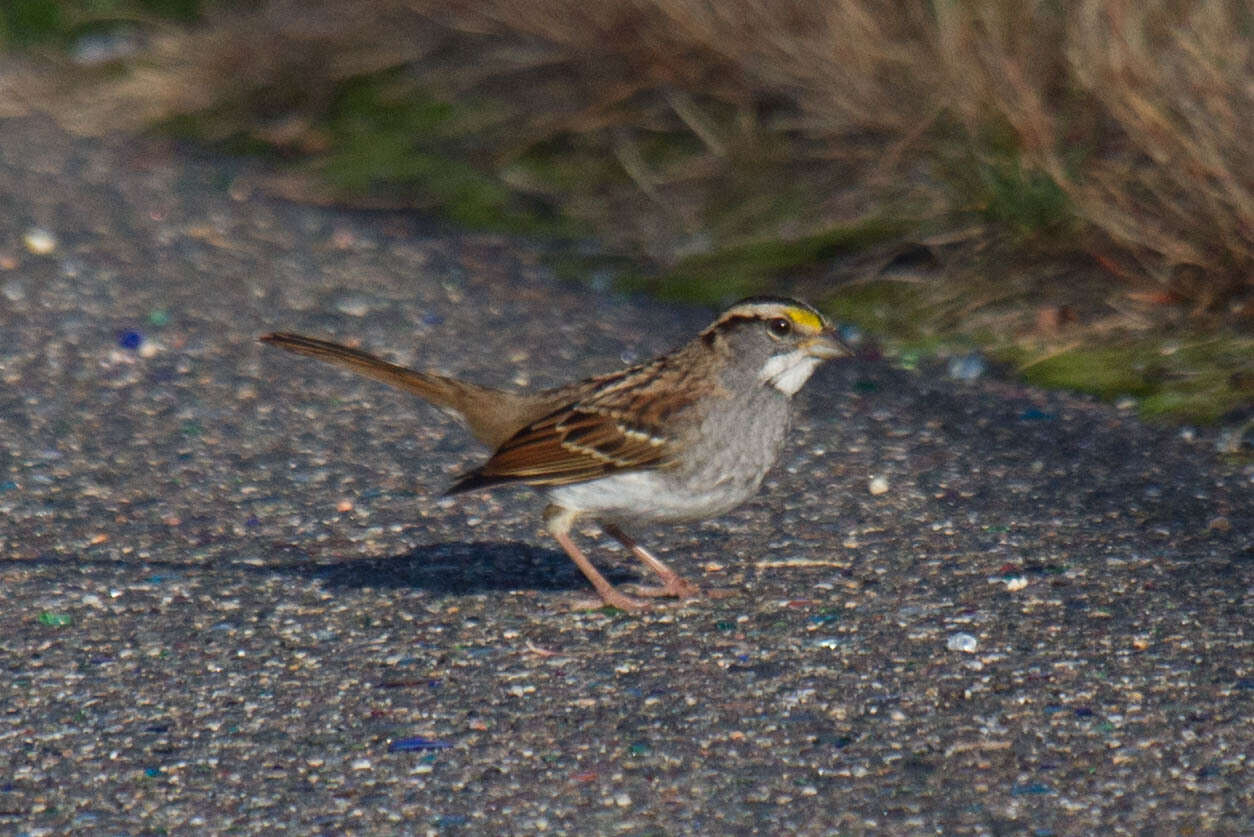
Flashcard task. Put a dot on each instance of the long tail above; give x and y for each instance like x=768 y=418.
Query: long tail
x=492 y=415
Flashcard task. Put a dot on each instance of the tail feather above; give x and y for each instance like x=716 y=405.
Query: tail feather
x=472 y=481
x=492 y=415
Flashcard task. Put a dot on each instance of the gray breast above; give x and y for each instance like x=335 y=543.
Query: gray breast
x=739 y=441
x=728 y=454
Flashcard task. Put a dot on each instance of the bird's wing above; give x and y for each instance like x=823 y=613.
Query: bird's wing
x=601 y=431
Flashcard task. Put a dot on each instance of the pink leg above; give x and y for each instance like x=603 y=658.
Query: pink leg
x=559 y=521
x=672 y=583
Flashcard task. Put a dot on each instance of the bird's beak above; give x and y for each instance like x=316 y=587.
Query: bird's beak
x=826 y=345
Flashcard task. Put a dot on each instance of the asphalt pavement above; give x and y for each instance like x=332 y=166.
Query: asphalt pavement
x=233 y=599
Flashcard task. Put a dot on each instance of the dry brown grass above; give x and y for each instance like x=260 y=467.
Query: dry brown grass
x=1140 y=111
x=1174 y=182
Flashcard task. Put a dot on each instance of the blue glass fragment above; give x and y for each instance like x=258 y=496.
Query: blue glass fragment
x=406 y=745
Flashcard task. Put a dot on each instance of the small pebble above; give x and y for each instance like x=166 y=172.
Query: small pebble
x=1233 y=439
x=850 y=333
x=963 y=642
x=968 y=367
x=353 y=306
x=96 y=48
x=602 y=280
x=878 y=485
x=39 y=241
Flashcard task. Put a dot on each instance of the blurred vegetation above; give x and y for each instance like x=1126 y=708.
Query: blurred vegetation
x=1077 y=174
x=30 y=22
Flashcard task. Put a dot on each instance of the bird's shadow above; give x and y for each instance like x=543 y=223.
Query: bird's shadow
x=449 y=567
x=455 y=567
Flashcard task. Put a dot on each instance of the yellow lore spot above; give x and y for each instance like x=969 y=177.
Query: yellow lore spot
x=805 y=319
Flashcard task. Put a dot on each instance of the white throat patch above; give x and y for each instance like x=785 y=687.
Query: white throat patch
x=789 y=372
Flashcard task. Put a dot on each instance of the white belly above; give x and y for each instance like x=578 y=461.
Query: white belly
x=645 y=495
x=716 y=477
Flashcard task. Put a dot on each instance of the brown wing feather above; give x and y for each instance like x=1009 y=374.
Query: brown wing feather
x=571 y=446
x=577 y=444
x=592 y=436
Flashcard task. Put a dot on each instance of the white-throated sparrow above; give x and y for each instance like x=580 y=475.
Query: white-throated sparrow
x=686 y=436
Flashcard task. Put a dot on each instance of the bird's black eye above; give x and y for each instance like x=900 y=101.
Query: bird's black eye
x=779 y=326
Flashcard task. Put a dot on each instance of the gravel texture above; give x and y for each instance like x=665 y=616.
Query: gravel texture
x=234 y=600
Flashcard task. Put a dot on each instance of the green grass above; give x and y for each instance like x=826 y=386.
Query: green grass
x=987 y=174
x=389 y=141
x=883 y=307
x=1025 y=201
x=563 y=166
x=737 y=270
x=390 y=138
x=1170 y=378
x=26 y=23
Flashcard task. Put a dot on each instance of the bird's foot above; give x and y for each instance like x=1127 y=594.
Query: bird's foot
x=612 y=599
x=673 y=588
